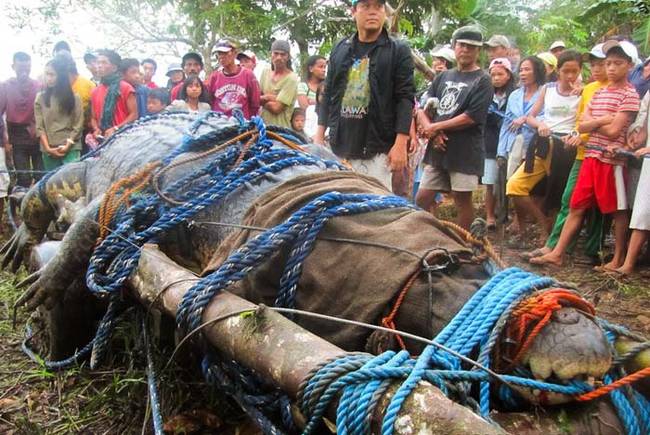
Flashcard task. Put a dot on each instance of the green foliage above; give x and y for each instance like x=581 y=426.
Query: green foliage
x=173 y=26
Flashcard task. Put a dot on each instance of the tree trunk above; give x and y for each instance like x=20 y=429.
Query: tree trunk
x=283 y=352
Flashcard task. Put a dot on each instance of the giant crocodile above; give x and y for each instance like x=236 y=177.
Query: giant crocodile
x=572 y=346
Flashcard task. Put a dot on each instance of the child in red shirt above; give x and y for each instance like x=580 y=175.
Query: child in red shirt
x=601 y=180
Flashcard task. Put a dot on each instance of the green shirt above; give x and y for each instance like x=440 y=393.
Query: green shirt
x=57 y=125
x=285 y=90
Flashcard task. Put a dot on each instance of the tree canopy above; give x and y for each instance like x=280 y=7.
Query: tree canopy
x=174 y=26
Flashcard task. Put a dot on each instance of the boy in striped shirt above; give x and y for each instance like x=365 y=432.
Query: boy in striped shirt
x=601 y=180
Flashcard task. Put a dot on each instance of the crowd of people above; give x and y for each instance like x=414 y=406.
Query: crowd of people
x=560 y=135
x=566 y=146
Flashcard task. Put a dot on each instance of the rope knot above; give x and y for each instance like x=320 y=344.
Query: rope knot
x=532 y=314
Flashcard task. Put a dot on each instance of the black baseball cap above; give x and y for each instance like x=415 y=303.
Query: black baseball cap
x=471 y=35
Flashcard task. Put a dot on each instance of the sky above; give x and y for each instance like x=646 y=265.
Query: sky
x=77 y=28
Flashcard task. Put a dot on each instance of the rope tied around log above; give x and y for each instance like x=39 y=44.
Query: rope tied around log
x=513 y=296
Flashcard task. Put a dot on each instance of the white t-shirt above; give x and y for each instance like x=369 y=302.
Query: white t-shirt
x=559 y=110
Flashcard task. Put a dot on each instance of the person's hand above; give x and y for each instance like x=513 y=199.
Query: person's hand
x=572 y=140
x=62 y=150
x=605 y=119
x=611 y=149
x=319 y=138
x=502 y=161
x=543 y=130
x=421 y=122
x=398 y=154
x=109 y=132
x=431 y=130
x=637 y=138
x=516 y=124
x=576 y=88
x=51 y=151
x=439 y=142
x=641 y=152
x=267 y=98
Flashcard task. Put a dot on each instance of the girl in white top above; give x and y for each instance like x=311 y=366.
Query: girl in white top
x=194 y=97
x=554 y=112
x=307 y=91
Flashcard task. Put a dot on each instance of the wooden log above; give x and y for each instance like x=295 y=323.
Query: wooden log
x=283 y=352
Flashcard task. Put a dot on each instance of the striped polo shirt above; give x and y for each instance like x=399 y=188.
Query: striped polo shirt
x=606 y=101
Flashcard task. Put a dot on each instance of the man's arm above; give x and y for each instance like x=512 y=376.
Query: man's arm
x=254 y=95
x=477 y=108
x=403 y=89
x=3 y=109
x=285 y=98
x=618 y=124
x=274 y=106
x=404 y=96
x=132 y=109
x=323 y=108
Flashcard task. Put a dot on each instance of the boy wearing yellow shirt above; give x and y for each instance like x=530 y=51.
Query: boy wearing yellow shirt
x=596 y=59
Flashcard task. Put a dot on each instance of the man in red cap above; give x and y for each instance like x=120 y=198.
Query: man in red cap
x=233 y=86
x=247 y=59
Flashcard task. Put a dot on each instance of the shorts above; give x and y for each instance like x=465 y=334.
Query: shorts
x=600 y=184
x=522 y=183
x=4 y=175
x=376 y=166
x=490 y=172
x=439 y=179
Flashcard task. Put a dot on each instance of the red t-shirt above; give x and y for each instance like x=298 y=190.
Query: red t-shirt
x=151 y=85
x=121 y=111
x=239 y=91
x=173 y=94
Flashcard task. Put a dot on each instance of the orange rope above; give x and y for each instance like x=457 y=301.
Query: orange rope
x=288 y=143
x=627 y=380
x=389 y=321
x=483 y=243
x=119 y=194
x=533 y=314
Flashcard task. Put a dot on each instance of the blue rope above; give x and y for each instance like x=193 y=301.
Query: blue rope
x=474 y=328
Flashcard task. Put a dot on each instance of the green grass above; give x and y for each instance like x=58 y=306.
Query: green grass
x=111 y=400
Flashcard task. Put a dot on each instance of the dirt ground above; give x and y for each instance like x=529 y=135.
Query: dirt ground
x=114 y=399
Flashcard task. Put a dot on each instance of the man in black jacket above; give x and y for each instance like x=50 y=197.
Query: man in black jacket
x=368 y=99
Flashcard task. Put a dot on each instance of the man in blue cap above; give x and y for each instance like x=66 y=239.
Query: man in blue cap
x=368 y=99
